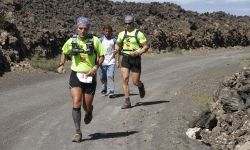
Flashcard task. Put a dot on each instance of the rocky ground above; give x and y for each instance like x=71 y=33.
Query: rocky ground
x=37 y=26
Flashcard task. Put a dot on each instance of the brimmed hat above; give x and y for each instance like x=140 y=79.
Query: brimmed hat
x=128 y=19
x=83 y=20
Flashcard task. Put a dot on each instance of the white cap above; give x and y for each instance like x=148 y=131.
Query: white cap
x=128 y=19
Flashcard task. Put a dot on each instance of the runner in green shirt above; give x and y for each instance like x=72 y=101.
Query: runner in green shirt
x=132 y=44
x=87 y=54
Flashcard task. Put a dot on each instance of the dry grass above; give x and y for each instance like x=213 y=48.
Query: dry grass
x=246 y=62
x=204 y=100
x=43 y=63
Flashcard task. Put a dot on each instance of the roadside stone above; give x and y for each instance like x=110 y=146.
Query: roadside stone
x=231 y=109
x=193 y=133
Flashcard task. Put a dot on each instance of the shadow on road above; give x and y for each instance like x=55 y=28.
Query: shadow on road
x=150 y=103
x=121 y=95
x=97 y=136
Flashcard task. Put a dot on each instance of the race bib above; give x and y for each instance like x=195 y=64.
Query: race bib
x=84 y=78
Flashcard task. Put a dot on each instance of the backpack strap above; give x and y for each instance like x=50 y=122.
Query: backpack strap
x=90 y=45
x=90 y=38
x=124 y=36
x=75 y=50
x=74 y=42
x=136 y=37
x=90 y=42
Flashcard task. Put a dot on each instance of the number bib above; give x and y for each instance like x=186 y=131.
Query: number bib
x=84 y=78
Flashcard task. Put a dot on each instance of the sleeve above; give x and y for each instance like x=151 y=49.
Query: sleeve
x=98 y=47
x=141 y=37
x=101 y=38
x=67 y=47
x=120 y=37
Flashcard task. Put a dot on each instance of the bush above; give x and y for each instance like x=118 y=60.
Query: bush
x=43 y=63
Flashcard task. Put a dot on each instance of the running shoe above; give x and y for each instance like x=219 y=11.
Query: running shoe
x=77 y=137
x=103 y=93
x=127 y=104
x=111 y=94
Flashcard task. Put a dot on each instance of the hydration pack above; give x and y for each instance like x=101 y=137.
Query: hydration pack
x=135 y=36
x=76 y=50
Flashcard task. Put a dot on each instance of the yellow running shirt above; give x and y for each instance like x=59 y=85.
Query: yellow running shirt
x=83 y=62
x=130 y=44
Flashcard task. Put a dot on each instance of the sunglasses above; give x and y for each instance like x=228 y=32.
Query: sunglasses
x=128 y=23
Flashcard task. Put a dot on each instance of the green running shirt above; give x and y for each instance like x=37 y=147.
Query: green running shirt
x=83 y=62
x=130 y=44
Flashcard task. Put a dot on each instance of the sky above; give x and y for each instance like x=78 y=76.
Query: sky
x=234 y=7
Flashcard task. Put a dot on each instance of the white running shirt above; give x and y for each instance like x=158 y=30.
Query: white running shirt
x=109 y=46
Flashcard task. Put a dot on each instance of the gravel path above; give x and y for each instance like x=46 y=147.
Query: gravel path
x=35 y=110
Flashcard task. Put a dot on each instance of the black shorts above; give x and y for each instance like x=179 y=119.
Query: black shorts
x=88 y=88
x=132 y=63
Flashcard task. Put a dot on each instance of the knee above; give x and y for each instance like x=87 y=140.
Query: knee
x=125 y=80
x=76 y=102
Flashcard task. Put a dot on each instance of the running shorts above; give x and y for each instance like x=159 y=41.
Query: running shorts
x=132 y=63
x=88 y=88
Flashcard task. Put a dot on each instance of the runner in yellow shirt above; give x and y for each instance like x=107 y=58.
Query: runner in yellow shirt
x=87 y=54
x=132 y=44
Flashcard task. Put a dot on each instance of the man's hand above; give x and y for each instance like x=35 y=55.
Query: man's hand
x=61 y=69
x=93 y=71
x=134 y=54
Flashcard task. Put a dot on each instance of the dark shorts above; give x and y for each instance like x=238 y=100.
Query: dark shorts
x=88 y=88
x=132 y=63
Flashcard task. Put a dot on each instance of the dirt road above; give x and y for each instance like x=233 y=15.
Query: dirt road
x=35 y=108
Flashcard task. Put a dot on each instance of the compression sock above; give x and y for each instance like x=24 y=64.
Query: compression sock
x=76 y=114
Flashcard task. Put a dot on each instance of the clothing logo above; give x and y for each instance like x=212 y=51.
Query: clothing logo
x=109 y=50
x=83 y=58
x=128 y=42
